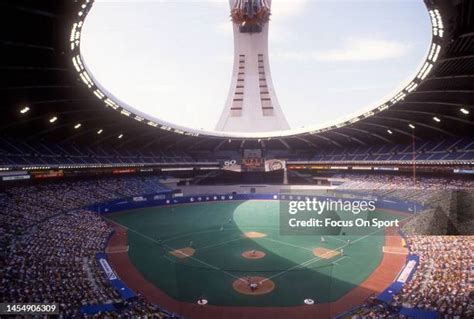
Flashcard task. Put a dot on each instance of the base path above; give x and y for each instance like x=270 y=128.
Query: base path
x=380 y=279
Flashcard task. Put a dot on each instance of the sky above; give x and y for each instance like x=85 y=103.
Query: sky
x=329 y=58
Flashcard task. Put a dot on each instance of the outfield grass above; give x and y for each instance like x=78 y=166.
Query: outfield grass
x=215 y=230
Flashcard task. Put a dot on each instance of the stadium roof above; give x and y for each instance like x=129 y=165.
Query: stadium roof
x=44 y=96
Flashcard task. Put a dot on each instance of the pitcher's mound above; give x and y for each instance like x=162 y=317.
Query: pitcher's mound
x=254 y=234
x=183 y=252
x=253 y=254
x=325 y=253
x=253 y=286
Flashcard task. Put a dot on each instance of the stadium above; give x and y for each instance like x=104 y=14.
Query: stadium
x=108 y=211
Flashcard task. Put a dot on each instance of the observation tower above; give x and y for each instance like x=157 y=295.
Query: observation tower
x=252 y=105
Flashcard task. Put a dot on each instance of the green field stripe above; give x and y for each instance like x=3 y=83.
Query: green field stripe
x=196 y=233
x=215 y=230
x=303 y=264
x=335 y=262
x=335 y=238
x=172 y=248
x=316 y=259
x=287 y=244
x=220 y=244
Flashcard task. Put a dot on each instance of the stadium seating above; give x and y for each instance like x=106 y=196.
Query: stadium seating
x=48 y=239
x=45 y=230
x=456 y=149
x=40 y=153
x=14 y=153
x=441 y=283
x=396 y=182
x=22 y=207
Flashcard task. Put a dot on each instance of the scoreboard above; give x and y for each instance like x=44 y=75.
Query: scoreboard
x=253 y=161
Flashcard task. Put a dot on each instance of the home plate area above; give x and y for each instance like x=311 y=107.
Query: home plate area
x=183 y=252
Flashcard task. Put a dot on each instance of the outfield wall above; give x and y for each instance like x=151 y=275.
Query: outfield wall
x=166 y=198
x=246 y=189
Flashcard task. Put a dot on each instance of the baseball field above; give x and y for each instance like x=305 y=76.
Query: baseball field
x=232 y=254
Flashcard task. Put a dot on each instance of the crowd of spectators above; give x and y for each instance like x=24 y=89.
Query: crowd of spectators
x=443 y=281
x=395 y=182
x=137 y=308
x=55 y=262
x=372 y=309
x=24 y=206
x=49 y=243
x=443 y=212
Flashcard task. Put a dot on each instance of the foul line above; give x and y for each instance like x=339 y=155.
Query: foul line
x=301 y=247
x=219 y=244
x=190 y=233
x=172 y=248
x=288 y=244
x=335 y=238
x=335 y=262
x=306 y=263
x=316 y=259
x=226 y=228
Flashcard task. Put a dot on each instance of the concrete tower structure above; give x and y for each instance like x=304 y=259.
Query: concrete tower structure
x=252 y=105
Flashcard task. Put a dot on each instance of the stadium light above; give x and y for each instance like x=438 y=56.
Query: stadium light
x=464 y=111
x=411 y=126
x=100 y=131
x=24 y=110
x=389 y=132
x=436 y=119
x=78 y=125
x=120 y=136
x=53 y=119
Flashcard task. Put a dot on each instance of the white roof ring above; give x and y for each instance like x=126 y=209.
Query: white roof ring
x=113 y=102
